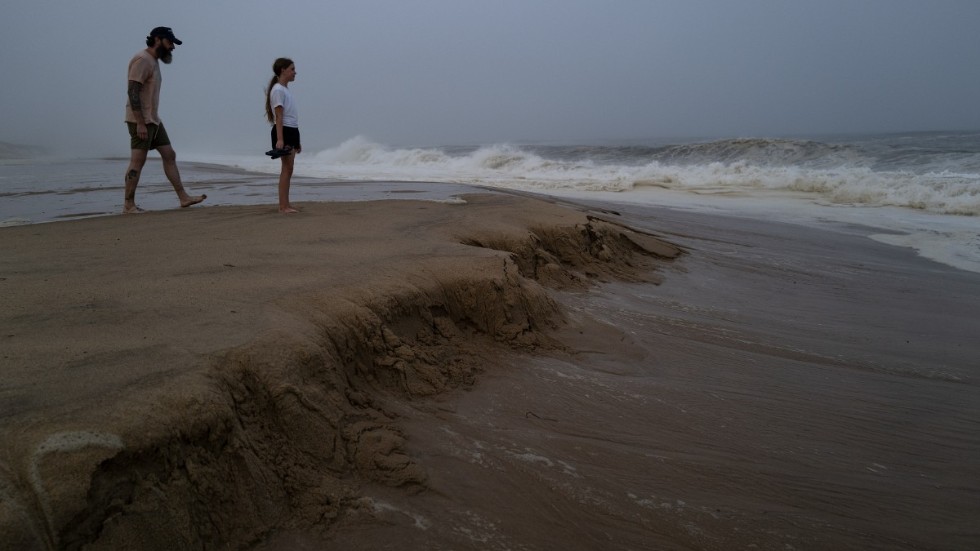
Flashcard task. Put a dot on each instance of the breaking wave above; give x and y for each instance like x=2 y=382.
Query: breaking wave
x=937 y=181
x=938 y=174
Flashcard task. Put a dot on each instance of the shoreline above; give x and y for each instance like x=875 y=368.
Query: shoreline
x=79 y=190
x=82 y=192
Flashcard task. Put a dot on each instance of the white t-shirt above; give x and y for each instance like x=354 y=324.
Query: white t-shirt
x=280 y=96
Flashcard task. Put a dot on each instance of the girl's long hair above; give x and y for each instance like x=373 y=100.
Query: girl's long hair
x=277 y=68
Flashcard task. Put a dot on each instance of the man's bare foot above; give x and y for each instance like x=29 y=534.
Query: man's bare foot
x=184 y=203
x=288 y=210
x=133 y=210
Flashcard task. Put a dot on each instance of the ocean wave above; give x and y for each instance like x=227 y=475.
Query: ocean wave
x=835 y=174
x=765 y=151
x=941 y=193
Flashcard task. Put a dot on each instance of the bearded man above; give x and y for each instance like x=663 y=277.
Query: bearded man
x=146 y=130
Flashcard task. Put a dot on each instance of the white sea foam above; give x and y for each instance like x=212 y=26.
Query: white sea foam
x=512 y=167
x=382 y=507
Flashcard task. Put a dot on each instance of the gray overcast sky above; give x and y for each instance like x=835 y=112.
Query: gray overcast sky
x=439 y=72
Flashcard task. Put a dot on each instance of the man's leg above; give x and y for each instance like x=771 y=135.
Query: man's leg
x=169 y=157
x=137 y=159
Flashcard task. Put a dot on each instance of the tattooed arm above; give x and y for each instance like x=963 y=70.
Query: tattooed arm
x=137 y=107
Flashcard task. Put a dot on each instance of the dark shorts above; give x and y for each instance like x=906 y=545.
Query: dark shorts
x=156 y=136
x=290 y=135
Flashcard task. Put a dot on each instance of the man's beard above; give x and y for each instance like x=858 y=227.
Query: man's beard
x=164 y=55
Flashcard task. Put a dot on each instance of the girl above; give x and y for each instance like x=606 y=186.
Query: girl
x=280 y=109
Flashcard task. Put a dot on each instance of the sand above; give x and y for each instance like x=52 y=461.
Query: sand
x=508 y=373
x=212 y=376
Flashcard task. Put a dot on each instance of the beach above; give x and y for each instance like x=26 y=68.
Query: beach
x=490 y=276
x=491 y=370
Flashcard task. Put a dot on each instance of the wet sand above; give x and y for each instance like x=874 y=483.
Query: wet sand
x=507 y=373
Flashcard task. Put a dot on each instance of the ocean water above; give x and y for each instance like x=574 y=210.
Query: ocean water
x=918 y=190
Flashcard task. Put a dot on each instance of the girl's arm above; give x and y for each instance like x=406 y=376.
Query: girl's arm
x=280 y=142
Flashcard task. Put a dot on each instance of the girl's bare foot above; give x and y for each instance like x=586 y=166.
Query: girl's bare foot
x=288 y=210
x=133 y=210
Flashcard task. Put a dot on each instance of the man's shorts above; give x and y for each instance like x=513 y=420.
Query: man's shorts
x=156 y=136
x=290 y=136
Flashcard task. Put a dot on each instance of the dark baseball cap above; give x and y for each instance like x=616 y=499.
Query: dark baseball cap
x=165 y=32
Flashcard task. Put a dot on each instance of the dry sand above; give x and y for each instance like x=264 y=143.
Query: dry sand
x=214 y=377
